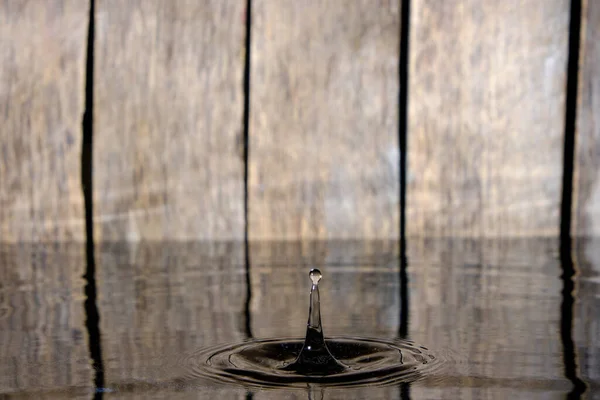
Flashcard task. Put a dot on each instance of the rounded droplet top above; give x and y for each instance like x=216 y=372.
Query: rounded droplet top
x=315 y=276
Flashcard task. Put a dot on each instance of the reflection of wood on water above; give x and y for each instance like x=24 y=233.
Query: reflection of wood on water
x=43 y=338
x=586 y=327
x=316 y=393
x=359 y=289
x=160 y=300
x=495 y=304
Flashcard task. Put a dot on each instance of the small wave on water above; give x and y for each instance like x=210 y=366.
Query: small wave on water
x=263 y=363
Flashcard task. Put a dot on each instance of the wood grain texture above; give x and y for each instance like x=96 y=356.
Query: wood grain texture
x=486 y=117
x=586 y=199
x=42 y=68
x=168 y=119
x=323 y=158
x=43 y=337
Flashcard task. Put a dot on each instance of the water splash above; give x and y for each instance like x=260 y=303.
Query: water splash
x=314 y=360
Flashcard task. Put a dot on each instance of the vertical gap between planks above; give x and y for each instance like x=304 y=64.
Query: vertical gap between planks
x=402 y=136
x=570 y=121
x=91 y=307
x=566 y=256
x=246 y=138
x=403 y=66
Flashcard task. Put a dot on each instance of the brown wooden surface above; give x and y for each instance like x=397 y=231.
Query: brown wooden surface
x=43 y=337
x=168 y=119
x=486 y=117
x=586 y=211
x=324 y=119
x=42 y=68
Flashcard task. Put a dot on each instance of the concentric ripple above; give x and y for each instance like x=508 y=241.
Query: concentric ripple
x=262 y=363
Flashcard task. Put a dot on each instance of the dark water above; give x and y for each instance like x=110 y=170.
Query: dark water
x=494 y=313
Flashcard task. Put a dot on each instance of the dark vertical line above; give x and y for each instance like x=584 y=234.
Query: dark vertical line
x=405 y=391
x=92 y=315
x=568 y=267
x=402 y=136
x=246 y=154
x=403 y=66
x=570 y=120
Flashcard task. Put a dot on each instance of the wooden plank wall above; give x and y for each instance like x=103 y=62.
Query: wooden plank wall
x=168 y=137
x=486 y=117
x=485 y=129
x=42 y=78
x=587 y=160
x=324 y=119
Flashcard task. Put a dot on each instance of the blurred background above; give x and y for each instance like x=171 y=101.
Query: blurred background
x=290 y=121
x=146 y=143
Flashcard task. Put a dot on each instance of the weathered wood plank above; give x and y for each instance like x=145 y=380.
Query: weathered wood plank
x=168 y=119
x=43 y=338
x=323 y=158
x=486 y=117
x=586 y=205
x=42 y=68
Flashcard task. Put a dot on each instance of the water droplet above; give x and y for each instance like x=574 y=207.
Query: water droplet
x=315 y=276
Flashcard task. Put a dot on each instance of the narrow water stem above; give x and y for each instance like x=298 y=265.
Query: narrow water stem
x=315 y=358
x=314 y=312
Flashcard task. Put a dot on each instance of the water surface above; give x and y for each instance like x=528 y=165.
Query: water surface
x=492 y=311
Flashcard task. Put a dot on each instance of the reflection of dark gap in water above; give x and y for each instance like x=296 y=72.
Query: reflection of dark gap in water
x=402 y=137
x=403 y=283
x=246 y=121
x=248 y=321
x=91 y=309
x=566 y=320
x=568 y=267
